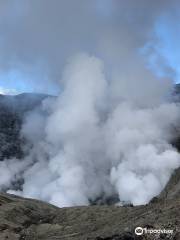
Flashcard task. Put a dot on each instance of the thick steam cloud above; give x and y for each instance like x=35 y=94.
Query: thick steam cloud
x=89 y=145
x=109 y=131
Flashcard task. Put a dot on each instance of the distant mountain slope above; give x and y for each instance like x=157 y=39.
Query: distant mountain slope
x=21 y=103
x=12 y=110
x=177 y=88
x=172 y=189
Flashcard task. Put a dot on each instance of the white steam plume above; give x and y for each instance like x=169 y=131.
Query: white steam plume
x=91 y=145
x=109 y=130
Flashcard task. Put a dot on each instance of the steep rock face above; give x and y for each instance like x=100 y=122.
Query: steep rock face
x=172 y=189
x=10 y=142
x=12 y=110
x=34 y=220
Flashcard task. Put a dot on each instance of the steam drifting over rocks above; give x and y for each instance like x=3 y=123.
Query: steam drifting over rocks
x=85 y=144
x=108 y=133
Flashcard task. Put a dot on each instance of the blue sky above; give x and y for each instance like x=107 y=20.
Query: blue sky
x=14 y=82
x=169 y=33
x=29 y=40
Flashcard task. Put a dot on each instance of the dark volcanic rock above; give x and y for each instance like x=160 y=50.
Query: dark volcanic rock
x=172 y=189
x=34 y=220
x=10 y=143
x=12 y=110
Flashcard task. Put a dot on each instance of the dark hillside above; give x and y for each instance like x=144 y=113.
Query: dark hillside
x=12 y=110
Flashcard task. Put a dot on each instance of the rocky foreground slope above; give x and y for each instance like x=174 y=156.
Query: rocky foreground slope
x=31 y=219
x=28 y=219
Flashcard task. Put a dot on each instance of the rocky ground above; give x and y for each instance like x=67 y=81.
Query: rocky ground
x=28 y=219
x=31 y=219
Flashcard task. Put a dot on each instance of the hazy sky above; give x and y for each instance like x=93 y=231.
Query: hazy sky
x=37 y=38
